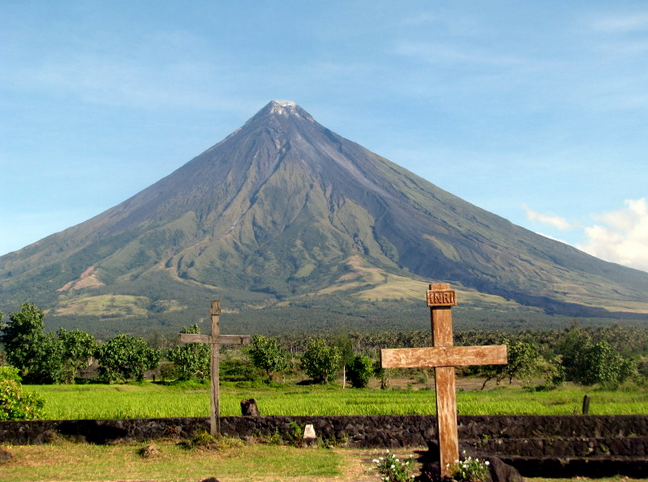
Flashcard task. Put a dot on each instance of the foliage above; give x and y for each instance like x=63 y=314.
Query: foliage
x=201 y=440
x=293 y=436
x=587 y=362
x=469 y=470
x=238 y=370
x=37 y=355
x=392 y=469
x=344 y=343
x=267 y=355
x=15 y=403
x=359 y=371
x=522 y=363
x=78 y=348
x=320 y=360
x=126 y=357
x=191 y=360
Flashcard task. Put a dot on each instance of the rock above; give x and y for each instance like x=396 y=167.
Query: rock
x=249 y=408
x=501 y=472
x=431 y=472
x=149 y=452
x=310 y=439
x=5 y=456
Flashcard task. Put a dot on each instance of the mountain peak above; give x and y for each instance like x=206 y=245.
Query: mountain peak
x=285 y=109
x=278 y=106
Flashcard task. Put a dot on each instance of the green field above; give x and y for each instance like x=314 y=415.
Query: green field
x=148 y=400
x=69 y=462
x=66 y=461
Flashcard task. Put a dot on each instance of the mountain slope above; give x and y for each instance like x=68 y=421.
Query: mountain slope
x=284 y=209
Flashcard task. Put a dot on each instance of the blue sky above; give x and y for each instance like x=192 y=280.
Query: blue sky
x=536 y=111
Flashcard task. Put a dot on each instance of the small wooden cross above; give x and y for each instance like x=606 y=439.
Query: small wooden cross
x=215 y=339
x=444 y=358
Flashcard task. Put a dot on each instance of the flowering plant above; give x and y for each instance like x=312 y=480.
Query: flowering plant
x=469 y=469
x=392 y=469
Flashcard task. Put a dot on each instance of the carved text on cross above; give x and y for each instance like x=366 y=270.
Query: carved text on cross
x=215 y=339
x=443 y=357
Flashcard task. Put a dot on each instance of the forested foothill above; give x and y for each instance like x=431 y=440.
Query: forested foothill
x=607 y=356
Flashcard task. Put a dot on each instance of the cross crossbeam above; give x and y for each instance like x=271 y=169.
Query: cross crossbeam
x=444 y=357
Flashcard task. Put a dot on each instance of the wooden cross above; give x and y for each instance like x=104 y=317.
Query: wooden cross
x=444 y=358
x=215 y=339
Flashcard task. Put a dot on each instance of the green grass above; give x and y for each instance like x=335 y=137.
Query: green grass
x=150 y=401
x=66 y=461
x=82 y=462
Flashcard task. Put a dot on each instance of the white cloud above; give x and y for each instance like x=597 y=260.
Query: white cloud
x=621 y=236
x=439 y=53
x=549 y=219
x=622 y=23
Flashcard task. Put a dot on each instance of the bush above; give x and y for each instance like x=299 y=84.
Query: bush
x=15 y=403
x=191 y=360
x=126 y=357
x=321 y=360
x=469 y=470
x=392 y=469
x=359 y=371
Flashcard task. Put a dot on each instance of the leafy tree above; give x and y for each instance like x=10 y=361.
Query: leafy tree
x=126 y=357
x=381 y=373
x=359 y=371
x=600 y=363
x=589 y=363
x=15 y=404
x=191 y=360
x=37 y=355
x=320 y=360
x=343 y=342
x=78 y=348
x=522 y=363
x=267 y=355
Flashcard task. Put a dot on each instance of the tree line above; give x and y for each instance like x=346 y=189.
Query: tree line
x=608 y=355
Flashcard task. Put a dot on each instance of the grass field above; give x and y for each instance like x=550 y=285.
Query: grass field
x=149 y=400
x=64 y=461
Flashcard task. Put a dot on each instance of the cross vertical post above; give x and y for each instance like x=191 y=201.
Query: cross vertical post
x=444 y=357
x=215 y=339
x=444 y=377
x=214 y=413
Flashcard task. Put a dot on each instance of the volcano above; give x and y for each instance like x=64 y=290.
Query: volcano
x=285 y=214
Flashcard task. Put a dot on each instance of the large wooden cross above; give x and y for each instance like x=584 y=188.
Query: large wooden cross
x=215 y=339
x=444 y=357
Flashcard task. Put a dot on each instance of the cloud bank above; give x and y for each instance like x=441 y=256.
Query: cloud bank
x=620 y=236
x=550 y=219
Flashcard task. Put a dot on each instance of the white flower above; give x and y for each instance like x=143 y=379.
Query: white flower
x=487 y=463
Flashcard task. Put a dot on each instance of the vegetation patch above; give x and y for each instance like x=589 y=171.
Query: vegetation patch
x=105 y=306
x=82 y=462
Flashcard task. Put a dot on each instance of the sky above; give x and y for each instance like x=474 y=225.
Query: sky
x=535 y=111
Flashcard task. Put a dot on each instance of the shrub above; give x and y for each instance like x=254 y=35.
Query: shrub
x=359 y=371
x=392 y=469
x=15 y=403
x=321 y=360
x=469 y=470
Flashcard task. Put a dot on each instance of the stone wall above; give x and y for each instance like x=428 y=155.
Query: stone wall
x=356 y=431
